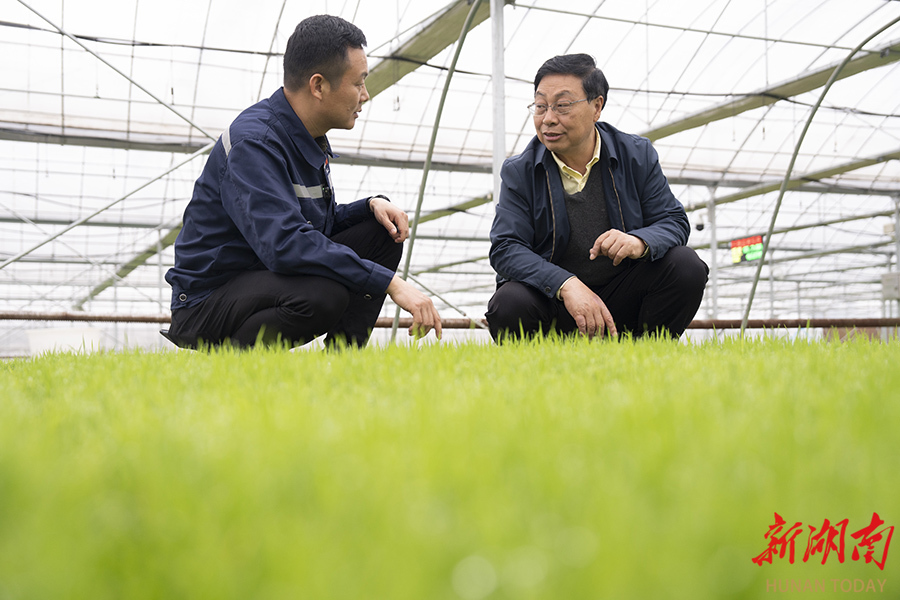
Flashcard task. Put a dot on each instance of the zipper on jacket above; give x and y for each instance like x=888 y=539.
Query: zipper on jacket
x=553 y=213
x=618 y=202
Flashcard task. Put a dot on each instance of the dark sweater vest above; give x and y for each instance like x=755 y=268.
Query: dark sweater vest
x=588 y=218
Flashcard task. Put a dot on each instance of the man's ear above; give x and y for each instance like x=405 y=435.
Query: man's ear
x=598 y=103
x=318 y=85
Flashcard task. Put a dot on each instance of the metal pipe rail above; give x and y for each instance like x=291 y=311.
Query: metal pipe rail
x=793 y=323
x=459 y=323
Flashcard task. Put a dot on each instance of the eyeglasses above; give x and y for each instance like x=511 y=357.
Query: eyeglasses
x=561 y=108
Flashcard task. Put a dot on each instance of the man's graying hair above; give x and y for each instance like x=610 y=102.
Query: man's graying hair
x=581 y=65
x=319 y=45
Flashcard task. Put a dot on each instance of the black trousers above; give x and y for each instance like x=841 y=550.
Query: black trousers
x=291 y=309
x=647 y=297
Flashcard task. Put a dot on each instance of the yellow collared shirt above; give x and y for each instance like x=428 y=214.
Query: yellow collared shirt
x=573 y=181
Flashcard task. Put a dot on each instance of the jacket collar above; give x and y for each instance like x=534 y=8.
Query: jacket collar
x=608 y=145
x=296 y=130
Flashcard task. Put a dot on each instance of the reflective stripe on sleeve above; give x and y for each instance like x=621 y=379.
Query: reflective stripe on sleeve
x=308 y=192
x=226 y=141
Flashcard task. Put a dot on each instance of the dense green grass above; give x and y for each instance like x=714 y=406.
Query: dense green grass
x=549 y=470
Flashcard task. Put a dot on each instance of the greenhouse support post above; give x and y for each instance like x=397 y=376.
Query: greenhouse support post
x=498 y=80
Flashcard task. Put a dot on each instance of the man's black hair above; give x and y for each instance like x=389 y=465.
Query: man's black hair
x=319 y=45
x=581 y=65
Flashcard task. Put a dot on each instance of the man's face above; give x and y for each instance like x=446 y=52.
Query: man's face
x=345 y=98
x=571 y=134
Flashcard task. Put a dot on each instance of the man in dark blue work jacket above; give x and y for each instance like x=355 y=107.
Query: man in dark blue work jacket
x=588 y=236
x=265 y=253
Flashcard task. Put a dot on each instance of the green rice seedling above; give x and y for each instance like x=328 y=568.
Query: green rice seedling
x=556 y=468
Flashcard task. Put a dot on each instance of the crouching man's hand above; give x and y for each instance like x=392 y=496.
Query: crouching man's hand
x=618 y=246
x=588 y=310
x=425 y=315
x=391 y=217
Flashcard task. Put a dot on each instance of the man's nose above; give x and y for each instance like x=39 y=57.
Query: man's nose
x=365 y=95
